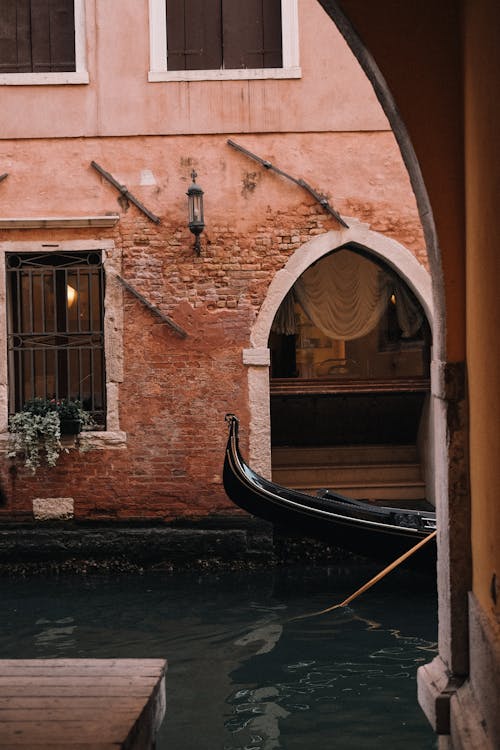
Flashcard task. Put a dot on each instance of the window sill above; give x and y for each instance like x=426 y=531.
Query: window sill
x=58 y=222
x=240 y=74
x=44 y=79
x=96 y=440
x=91 y=440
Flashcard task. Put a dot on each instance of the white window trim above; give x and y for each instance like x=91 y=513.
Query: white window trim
x=112 y=437
x=80 y=75
x=158 y=51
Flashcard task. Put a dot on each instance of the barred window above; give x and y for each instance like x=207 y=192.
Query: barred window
x=55 y=328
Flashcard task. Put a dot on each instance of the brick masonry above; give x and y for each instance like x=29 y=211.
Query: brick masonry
x=176 y=391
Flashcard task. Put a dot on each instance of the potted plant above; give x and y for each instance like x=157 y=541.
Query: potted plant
x=73 y=417
x=36 y=430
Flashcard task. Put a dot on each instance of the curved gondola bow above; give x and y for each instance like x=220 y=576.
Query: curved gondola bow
x=372 y=531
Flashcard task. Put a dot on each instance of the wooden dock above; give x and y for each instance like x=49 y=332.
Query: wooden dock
x=81 y=704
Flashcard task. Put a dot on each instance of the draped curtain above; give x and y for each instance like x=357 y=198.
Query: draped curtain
x=345 y=295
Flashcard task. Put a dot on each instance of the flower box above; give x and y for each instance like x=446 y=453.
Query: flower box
x=70 y=426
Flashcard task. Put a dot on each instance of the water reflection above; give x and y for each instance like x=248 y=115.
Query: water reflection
x=268 y=634
x=358 y=686
x=243 y=675
x=55 y=634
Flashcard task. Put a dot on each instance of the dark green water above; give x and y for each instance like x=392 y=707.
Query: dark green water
x=241 y=675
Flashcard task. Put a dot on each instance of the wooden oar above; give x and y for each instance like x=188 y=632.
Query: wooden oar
x=372 y=581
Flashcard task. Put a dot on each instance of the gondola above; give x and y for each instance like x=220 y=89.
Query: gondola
x=362 y=528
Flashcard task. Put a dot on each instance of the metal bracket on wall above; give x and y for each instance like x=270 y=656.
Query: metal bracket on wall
x=125 y=193
x=302 y=183
x=164 y=318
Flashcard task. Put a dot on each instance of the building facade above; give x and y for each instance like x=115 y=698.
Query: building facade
x=121 y=87
x=160 y=341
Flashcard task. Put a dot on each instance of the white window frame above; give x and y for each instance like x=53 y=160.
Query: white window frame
x=80 y=75
x=112 y=437
x=158 y=51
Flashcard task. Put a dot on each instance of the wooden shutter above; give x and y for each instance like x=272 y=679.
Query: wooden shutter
x=251 y=33
x=273 y=45
x=176 y=56
x=53 y=35
x=37 y=36
x=194 y=39
x=62 y=35
x=15 y=36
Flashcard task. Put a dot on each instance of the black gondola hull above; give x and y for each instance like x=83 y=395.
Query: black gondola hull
x=360 y=528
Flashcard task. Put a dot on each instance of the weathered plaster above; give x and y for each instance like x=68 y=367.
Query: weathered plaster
x=477 y=703
x=191 y=107
x=453 y=512
x=467 y=726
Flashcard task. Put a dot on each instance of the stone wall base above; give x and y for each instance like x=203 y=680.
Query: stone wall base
x=213 y=542
x=465 y=712
x=72 y=544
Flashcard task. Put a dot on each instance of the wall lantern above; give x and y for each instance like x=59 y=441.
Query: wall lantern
x=195 y=208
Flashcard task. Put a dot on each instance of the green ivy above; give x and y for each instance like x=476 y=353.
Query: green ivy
x=36 y=430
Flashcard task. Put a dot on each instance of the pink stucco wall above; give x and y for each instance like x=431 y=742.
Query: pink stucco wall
x=120 y=101
x=361 y=173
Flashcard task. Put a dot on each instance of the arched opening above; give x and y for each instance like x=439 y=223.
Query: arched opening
x=411 y=69
x=396 y=264
x=350 y=353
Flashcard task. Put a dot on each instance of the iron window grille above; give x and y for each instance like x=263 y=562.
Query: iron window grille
x=55 y=304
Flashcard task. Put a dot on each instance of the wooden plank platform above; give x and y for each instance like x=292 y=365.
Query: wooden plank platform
x=81 y=704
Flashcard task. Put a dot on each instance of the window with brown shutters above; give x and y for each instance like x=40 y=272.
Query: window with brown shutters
x=229 y=34
x=37 y=36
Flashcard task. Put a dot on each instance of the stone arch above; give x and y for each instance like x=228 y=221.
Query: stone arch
x=386 y=99
x=257 y=358
x=454 y=571
x=454 y=554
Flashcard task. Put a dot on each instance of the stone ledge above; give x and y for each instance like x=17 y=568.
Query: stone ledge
x=95 y=440
x=52 y=508
x=88 y=440
x=209 y=544
x=58 y=222
x=46 y=542
x=258 y=357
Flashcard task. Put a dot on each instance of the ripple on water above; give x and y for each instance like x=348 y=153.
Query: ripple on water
x=242 y=676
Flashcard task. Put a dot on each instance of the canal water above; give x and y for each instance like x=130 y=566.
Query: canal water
x=243 y=675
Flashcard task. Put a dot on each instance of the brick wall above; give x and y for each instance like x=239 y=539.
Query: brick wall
x=176 y=391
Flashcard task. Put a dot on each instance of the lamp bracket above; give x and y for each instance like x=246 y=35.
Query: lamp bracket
x=172 y=324
x=321 y=199
x=126 y=194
